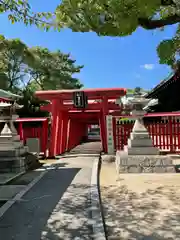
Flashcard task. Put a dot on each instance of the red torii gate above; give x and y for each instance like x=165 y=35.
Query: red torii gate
x=69 y=125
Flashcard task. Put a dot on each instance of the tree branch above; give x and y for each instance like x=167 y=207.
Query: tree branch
x=153 y=24
x=25 y=14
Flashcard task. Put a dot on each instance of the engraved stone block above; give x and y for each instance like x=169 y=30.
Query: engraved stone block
x=164 y=161
x=147 y=170
x=143 y=151
x=159 y=169
x=134 y=169
x=144 y=135
x=140 y=142
x=170 y=169
x=123 y=169
x=125 y=162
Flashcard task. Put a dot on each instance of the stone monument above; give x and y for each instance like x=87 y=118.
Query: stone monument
x=12 y=150
x=140 y=156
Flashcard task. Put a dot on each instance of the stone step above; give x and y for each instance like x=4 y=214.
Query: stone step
x=84 y=152
x=143 y=151
x=140 y=143
x=11 y=153
x=11 y=158
x=138 y=136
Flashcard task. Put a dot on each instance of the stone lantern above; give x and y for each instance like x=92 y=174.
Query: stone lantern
x=12 y=149
x=140 y=155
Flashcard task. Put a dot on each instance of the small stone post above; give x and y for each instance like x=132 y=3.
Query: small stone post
x=110 y=138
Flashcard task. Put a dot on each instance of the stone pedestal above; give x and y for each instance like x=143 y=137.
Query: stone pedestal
x=12 y=152
x=143 y=163
x=140 y=156
x=140 y=143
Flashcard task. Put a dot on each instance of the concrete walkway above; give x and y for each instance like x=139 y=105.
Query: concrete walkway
x=87 y=148
x=57 y=207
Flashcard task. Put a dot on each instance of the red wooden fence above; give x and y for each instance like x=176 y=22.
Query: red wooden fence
x=39 y=130
x=165 y=132
x=34 y=128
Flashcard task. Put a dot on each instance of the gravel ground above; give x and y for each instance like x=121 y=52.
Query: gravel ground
x=140 y=206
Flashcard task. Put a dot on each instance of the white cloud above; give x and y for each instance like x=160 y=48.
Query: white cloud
x=148 y=66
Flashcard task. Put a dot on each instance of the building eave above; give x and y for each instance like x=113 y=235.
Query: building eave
x=162 y=85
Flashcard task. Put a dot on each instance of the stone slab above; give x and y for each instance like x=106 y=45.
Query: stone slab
x=146 y=160
x=136 y=169
x=139 y=135
x=7 y=177
x=12 y=152
x=140 y=142
x=143 y=164
x=9 y=139
x=143 y=151
x=16 y=165
x=33 y=145
x=9 y=191
x=11 y=158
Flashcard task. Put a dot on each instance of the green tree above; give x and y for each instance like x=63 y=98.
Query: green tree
x=21 y=11
x=25 y=70
x=122 y=18
x=137 y=90
x=14 y=59
x=54 y=70
x=36 y=68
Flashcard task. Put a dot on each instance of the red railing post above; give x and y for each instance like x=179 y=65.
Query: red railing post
x=20 y=130
x=171 y=134
x=102 y=130
x=114 y=133
x=44 y=137
x=64 y=133
x=56 y=115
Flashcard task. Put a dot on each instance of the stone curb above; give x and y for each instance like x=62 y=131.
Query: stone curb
x=97 y=219
x=19 y=195
x=78 y=155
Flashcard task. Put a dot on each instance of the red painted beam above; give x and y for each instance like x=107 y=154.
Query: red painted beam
x=83 y=117
x=31 y=119
x=91 y=106
x=110 y=93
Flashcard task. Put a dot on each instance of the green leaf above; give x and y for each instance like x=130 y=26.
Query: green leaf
x=166 y=52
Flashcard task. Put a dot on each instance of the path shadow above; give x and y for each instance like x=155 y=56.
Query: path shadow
x=75 y=155
x=55 y=165
x=141 y=216
x=53 y=209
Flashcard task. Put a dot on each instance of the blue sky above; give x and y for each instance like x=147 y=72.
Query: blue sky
x=108 y=62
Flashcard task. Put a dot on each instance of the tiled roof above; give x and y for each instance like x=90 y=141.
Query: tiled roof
x=8 y=95
x=162 y=84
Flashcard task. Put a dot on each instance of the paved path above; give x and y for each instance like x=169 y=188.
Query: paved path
x=57 y=207
x=87 y=148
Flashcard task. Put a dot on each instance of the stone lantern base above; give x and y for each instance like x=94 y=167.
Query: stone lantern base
x=12 y=152
x=140 y=156
x=143 y=163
